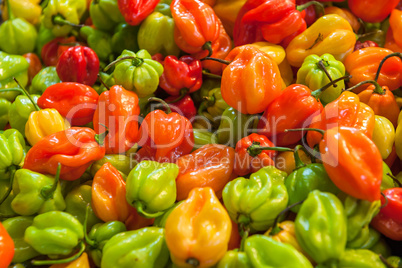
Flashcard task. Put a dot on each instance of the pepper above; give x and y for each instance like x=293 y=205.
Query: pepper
x=36 y=193
x=395 y=261
x=395 y=26
x=251 y=81
x=139 y=73
x=109 y=195
x=346 y=14
x=358 y=258
x=6 y=247
x=324 y=241
x=185 y=106
x=387 y=181
x=213 y=106
x=54 y=233
x=234 y=258
x=330 y=34
x=210 y=166
x=12 y=152
x=387 y=226
x=196 y=25
x=227 y=11
x=285 y=161
x=51 y=50
x=264 y=251
x=4 y=107
x=125 y=37
x=75 y=149
x=44 y=123
x=118 y=112
x=122 y=163
x=198 y=230
x=255 y=202
x=30 y=10
x=135 y=221
x=99 y=41
x=81 y=262
x=16 y=228
x=372 y=11
x=151 y=201
x=134 y=12
x=78 y=64
x=12 y=66
x=316 y=72
x=383 y=135
x=105 y=14
x=141 y=248
x=156 y=35
x=5 y=207
x=160 y=221
x=19 y=112
x=35 y=65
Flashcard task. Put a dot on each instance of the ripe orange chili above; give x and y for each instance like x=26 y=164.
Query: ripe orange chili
x=6 y=247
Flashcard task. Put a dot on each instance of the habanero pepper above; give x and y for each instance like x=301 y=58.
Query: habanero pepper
x=6 y=247
x=346 y=14
x=99 y=41
x=372 y=10
x=52 y=50
x=30 y=10
x=105 y=14
x=227 y=11
x=396 y=26
x=185 y=106
x=12 y=66
x=135 y=11
x=35 y=65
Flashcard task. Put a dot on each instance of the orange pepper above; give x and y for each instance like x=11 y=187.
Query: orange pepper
x=197 y=231
x=135 y=221
x=251 y=81
x=35 y=65
x=227 y=11
x=346 y=14
x=209 y=166
x=363 y=63
x=390 y=42
x=285 y=161
x=81 y=262
x=109 y=195
x=395 y=23
x=209 y=2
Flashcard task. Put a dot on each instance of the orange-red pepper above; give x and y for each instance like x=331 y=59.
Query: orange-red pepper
x=395 y=28
x=390 y=42
x=109 y=195
x=251 y=81
x=198 y=230
x=34 y=65
x=6 y=247
x=372 y=10
x=346 y=14
x=387 y=226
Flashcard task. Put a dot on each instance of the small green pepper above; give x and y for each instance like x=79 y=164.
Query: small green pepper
x=45 y=35
x=381 y=248
x=161 y=220
x=99 y=41
x=4 y=107
x=203 y=137
x=5 y=207
x=108 y=80
x=19 y=112
x=105 y=14
x=234 y=258
x=387 y=181
x=213 y=106
x=122 y=163
x=357 y=258
x=395 y=261
x=44 y=79
x=164 y=7
x=12 y=66
x=12 y=152
x=125 y=37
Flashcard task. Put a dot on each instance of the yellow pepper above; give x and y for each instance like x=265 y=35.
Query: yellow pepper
x=43 y=123
x=329 y=34
x=285 y=161
x=346 y=14
x=81 y=262
x=198 y=230
x=27 y=9
x=227 y=11
x=398 y=137
x=383 y=135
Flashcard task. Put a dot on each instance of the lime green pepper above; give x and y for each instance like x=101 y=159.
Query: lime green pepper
x=263 y=251
x=312 y=74
x=387 y=181
x=122 y=163
x=145 y=247
x=207 y=85
x=395 y=261
x=156 y=35
x=99 y=235
x=16 y=228
x=357 y=258
x=151 y=187
x=5 y=207
x=44 y=79
x=381 y=248
x=99 y=41
x=12 y=66
x=20 y=110
x=4 y=107
x=373 y=239
x=256 y=202
x=125 y=37
x=321 y=226
x=164 y=7
x=12 y=152
x=234 y=258
x=45 y=35
x=213 y=106
x=139 y=74
x=383 y=135
x=108 y=80
x=160 y=221
x=203 y=137
x=105 y=14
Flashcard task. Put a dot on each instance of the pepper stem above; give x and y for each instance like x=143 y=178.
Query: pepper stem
x=386 y=200
x=47 y=192
x=183 y=93
x=117 y=61
x=317 y=5
x=397 y=54
x=88 y=240
x=9 y=12
x=206 y=73
x=167 y=107
x=137 y=61
x=208 y=46
x=140 y=209
x=207 y=102
x=319 y=38
x=103 y=82
x=298 y=162
x=100 y=138
x=255 y=149
x=395 y=179
x=10 y=187
x=322 y=66
x=70 y=259
x=193 y=262
x=306 y=129
x=216 y=59
x=384 y=260
x=378 y=89
x=27 y=94
x=58 y=19
x=275 y=227
x=246 y=232
x=317 y=93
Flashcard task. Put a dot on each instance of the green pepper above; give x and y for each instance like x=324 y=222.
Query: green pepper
x=156 y=35
x=5 y=207
x=122 y=163
x=151 y=187
x=306 y=178
x=36 y=193
x=99 y=41
x=383 y=135
x=256 y=202
x=77 y=201
x=19 y=112
x=373 y=239
x=16 y=228
x=387 y=181
x=160 y=221
x=99 y=235
x=4 y=107
x=105 y=14
x=108 y=80
x=45 y=35
x=12 y=152
x=58 y=14
x=381 y=248
x=376 y=35
x=321 y=226
x=12 y=66
x=54 y=233
x=312 y=74
x=356 y=258
x=125 y=37
x=207 y=85
x=203 y=137
x=234 y=258
x=145 y=247
x=164 y=7
x=139 y=74
x=395 y=261
x=45 y=78
x=263 y=251
x=214 y=105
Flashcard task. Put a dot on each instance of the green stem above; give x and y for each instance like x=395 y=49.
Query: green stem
x=59 y=20
x=298 y=162
x=395 y=179
x=243 y=238
x=48 y=191
x=208 y=46
x=183 y=93
x=103 y=82
x=9 y=12
x=117 y=61
x=137 y=61
x=10 y=187
x=100 y=138
x=255 y=149
x=44 y=4
x=384 y=260
x=208 y=101
x=140 y=208
x=386 y=200
x=377 y=88
x=275 y=230
x=395 y=54
x=317 y=93
x=204 y=72
x=70 y=259
x=167 y=107
x=319 y=38
x=218 y=60
x=322 y=66
x=306 y=129
x=317 y=5
x=88 y=240
x=27 y=94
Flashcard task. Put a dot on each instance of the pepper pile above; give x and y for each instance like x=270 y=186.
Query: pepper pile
x=200 y=133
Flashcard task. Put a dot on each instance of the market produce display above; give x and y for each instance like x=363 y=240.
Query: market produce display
x=201 y=133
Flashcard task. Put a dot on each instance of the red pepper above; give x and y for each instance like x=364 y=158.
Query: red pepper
x=118 y=110
x=135 y=11
x=52 y=50
x=6 y=247
x=74 y=148
x=34 y=65
x=181 y=74
x=78 y=64
x=360 y=45
x=372 y=10
x=387 y=226
x=185 y=106
x=75 y=101
x=311 y=15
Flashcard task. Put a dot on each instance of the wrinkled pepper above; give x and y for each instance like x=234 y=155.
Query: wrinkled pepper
x=20 y=110
x=105 y=14
x=372 y=11
x=135 y=11
x=383 y=135
x=234 y=258
x=12 y=66
x=99 y=41
x=12 y=153
x=6 y=247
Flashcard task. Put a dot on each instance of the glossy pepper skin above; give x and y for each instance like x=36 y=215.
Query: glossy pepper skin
x=395 y=26
x=81 y=262
x=105 y=14
x=198 y=230
x=99 y=41
x=125 y=37
x=251 y=81
x=12 y=66
x=51 y=50
x=134 y=12
x=201 y=169
x=264 y=251
x=145 y=247
x=345 y=149
x=185 y=106
x=151 y=201
x=78 y=64
x=109 y=195
x=4 y=107
x=121 y=162
x=234 y=258
x=326 y=240
x=213 y=106
x=35 y=65
x=256 y=202
x=346 y=14
x=19 y=112
x=12 y=152
x=372 y=11
x=277 y=118
x=6 y=247
x=140 y=74
x=30 y=10
x=329 y=34
x=75 y=149
x=54 y=233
